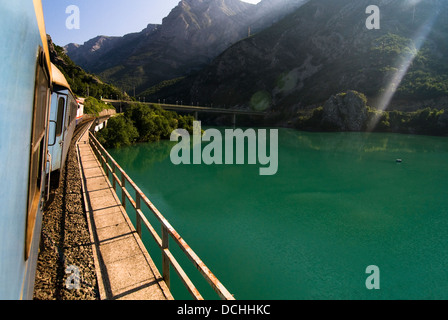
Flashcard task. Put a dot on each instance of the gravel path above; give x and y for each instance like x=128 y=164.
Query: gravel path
x=65 y=250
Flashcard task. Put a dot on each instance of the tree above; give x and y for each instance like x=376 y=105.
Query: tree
x=93 y=106
x=145 y=124
x=119 y=132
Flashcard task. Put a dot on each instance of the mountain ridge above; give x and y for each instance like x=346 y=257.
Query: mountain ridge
x=324 y=48
x=81 y=82
x=186 y=40
x=189 y=38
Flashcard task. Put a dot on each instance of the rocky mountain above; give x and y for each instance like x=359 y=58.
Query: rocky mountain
x=325 y=48
x=189 y=38
x=100 y=53
x=268 y=12
x=82 y=83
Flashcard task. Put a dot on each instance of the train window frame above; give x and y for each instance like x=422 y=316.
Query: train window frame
x=71 y=109
x=60 y=115
x=38 y=146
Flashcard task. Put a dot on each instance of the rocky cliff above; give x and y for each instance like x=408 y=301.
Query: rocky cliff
x=189 y=38
x=193 y=33
x=324 y=48
x=345 y=112
x=82 y=83
x=101 y=53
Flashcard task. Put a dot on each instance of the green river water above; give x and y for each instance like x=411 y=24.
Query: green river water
x=339 y=203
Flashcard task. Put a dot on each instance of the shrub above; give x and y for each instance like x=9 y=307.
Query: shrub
x=93 y=106
x=145 y=124
x=119 y=132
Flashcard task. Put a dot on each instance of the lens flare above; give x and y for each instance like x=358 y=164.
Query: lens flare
x=412 y=2
x=404 y=63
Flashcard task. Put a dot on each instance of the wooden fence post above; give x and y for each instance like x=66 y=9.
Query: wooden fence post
x=123 y=194
x=139 y=219
x=165 y=260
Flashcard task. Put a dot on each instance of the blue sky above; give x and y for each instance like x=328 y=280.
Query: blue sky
x=104 y=17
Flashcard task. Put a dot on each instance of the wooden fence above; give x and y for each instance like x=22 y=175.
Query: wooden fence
x=111 y=167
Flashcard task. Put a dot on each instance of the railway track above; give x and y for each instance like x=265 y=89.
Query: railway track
x=65 y=239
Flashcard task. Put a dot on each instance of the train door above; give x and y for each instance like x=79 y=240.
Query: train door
x=69 y=126
x=56 y=135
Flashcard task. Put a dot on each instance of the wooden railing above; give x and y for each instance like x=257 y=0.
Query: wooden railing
x=110 y=166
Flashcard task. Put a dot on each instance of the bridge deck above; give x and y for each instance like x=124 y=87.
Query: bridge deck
x=125 y=270
x=187 y=108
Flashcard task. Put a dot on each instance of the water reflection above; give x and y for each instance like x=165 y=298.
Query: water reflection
x=142 y=157
x=362 y=142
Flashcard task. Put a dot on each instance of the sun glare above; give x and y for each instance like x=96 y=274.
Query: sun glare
x=405 y=62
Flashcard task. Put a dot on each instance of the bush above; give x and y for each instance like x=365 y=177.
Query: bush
x=119 y=132
x=145 y=124
x=154 y=123
x=93 y=106
x=423 y=121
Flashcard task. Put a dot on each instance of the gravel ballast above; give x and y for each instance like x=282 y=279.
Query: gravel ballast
x=65 y=267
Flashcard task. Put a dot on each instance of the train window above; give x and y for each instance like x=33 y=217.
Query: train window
x=38 y=146
x=59 y=121
x=73 y=110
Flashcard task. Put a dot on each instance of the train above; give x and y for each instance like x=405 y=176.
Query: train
x=63 y=120
x=80 y=112
x=37 y=122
